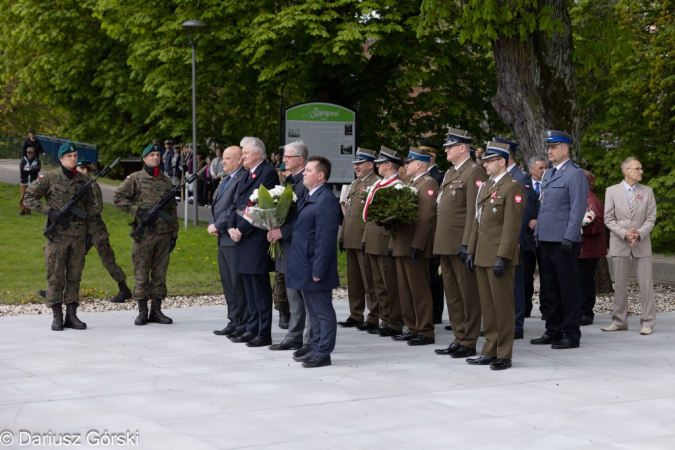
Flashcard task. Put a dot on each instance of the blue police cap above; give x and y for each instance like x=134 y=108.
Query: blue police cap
x=558 y=137
x=364 y=155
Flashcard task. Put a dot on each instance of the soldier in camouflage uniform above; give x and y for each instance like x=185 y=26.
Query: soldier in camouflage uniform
x=137 y=195
x=65 y=253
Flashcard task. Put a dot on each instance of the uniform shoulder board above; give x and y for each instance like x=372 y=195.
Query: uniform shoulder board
x=428 y=178
x=513 y=180
x=576 y=166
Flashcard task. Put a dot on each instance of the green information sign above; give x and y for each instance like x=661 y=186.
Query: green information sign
x=320 y=112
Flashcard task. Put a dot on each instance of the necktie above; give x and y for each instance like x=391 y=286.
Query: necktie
x=307 y=197
x=536 y=187
x=222 y=188
x=553 y=171
x=631 y=196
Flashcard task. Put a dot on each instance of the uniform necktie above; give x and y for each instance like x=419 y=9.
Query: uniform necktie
x=536 y=187
x=631 y=196
x=553 y=171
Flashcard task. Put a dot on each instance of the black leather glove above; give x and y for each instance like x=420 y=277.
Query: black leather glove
x=390 y=253
x=536 y=241
x=173 y=244
x=145 y=217
x=567 y=247
x=57 y=217
x=363 y=249
x=416 y=254
x=462 y=253
x=89 y=243
x=341 y=245
x=469 y=262
x=500 y=264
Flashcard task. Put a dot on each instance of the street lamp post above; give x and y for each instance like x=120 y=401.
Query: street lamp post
x=192 y=28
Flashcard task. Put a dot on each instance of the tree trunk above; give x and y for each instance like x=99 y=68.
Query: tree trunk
x=537 y=86
x=603 y=280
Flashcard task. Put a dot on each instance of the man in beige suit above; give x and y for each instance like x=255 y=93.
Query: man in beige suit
x=630 y=213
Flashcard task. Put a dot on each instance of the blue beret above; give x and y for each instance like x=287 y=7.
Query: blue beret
x=68 y=147
x=558 y=137
x=150 y=148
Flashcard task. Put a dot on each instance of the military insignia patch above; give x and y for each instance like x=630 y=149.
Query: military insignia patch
x=518 y=198
x=527 y=186
x=479 y=183
x=430 y=192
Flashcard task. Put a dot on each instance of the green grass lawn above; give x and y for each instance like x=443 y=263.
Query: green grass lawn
x=193 y=269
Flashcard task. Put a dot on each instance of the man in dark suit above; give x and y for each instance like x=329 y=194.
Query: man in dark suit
x=233 y=284
x=251 y=246
x=314 y=260
x=530 y=253
x=295 y=160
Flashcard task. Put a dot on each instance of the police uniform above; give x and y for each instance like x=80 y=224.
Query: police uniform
x=564 y=193
x=359 y=275
x=65 y=252
x=493 y=246
x=413 y=275
x=139 y=192
x=456 y=213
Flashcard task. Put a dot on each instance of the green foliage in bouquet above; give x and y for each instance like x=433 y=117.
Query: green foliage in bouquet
x=393 y=207
x=265 y=200
x=284 y=204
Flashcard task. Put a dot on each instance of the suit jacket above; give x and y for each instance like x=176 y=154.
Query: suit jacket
x=421 y=233
x=353 y=225
x=497 y=225
x=220 y=210
x=526 y=237
x=313 y=248
x=563 y=204
x=436 y=174
x=457 y=207
x=251 y=251
x=619 y=220
x=300 y=190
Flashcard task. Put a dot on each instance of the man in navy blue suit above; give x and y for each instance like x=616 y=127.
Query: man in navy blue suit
x=313 y=260
x=251 y=246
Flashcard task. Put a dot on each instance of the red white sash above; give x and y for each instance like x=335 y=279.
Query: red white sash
x=371 y=195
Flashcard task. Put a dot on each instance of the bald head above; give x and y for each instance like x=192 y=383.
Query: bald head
x=232 y=159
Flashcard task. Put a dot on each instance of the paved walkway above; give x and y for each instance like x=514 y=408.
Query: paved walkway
x=181 y=387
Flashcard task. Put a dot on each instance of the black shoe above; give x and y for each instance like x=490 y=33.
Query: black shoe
x=543 y=317
x=235 y=334
x=315 y=362
x=447 y=351
x=585 y=320
x=367 y=326
x=306 y=357
x=260 y=341
x=482 y=360
x=227 y=331
x=464 y=352
x=482 y=333
x=501 y=364
x=303 y=350
x=544 y=340
x=42 y=293
x=286 y=345
x=448 y=327
x=246 y=337
x=564 y=343
x=517 y=335
x=421 y=340
x=284 y=316
x=349 y=323
x=388 y=332
x=71 y=320
x=404 y=337
x=375 y=330
x=123 y=295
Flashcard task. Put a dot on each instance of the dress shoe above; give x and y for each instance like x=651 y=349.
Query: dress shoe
x=543 y=317
x=421 y=340
x=448 y=327
x=303 y=350
x=228 y=330
x=286 y=345
x=447 y=351
x=545 y=339
x=464 y=352
x=260 y=341
x=564 y=343
x=306 y=357
x=246 y=337
x=613 y=327
x=501 y=364
x=388 y=331
x=404 y=337
x=315 y=362
x=645 y=331
x=517 y=335
x=365 y=326
x=482 y=360
x=349 y=323
x=235 y=334
x=585 y=320
x=374 y=330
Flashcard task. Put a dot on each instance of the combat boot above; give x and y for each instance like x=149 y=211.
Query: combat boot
x=284 y=316
x=123 y=294
x=142 y=318
x=156 y=314
x=57 y=324
x=71 y=320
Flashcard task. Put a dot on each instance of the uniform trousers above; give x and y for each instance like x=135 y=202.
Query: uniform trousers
x=107 y=254
x=496 y=302
x=519 y=296
x=233 y=288
x=324 y=322
x=383 y=269
x=436 y=286
x=64 y=258
x=461 y=294
x=259 y=299
x=587 y=268
x=560 y=275
x=415 y=295
x=299 y=324
x=643 y=270
x=359 y=288
x=151 y=262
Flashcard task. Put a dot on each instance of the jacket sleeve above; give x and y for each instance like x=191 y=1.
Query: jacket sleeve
x=578 y=192
x=123 y=196
x=93 y=206
x=35 y=191
x=610 y=216
x=37 y=168
x=426 y=213
x=648 y=224
x=327 y=220
x=513 y=216
x=478 y=174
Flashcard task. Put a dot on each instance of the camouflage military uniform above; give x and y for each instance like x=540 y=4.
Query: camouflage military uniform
x=101 y=240
x=151 y=254
x=65 y=253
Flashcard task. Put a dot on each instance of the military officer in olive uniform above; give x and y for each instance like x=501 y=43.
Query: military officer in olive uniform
x=412 y=249
x=493 y=250
x=139 y=192
x=375 y=244
x=65 y=252
x=359 y=275
x=456 y=213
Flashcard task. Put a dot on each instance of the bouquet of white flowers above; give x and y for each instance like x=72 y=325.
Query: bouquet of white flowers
x=268 y=209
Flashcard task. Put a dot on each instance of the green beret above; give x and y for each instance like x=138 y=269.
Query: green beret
x=84 y=162
x=68 y=147
x=150 y=148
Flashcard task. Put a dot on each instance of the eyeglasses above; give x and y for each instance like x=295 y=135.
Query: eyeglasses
x=639 y=169
x=290 y=156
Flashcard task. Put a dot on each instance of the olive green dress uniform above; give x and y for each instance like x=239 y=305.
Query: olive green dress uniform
x=359 y=275
x=151 y=254
x=495 y=233
x=413 y=279
x=456 y=213
x=101 y=239
x=65 y=253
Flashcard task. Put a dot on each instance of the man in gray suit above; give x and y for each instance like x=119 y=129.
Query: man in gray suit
x=630 y=213
x=233 y=286
x=295 y=160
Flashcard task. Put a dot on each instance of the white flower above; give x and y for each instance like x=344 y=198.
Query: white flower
x=254 y=196
x=295 y=197
x=399 y=185
x=277 y=191
x=413 y=190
